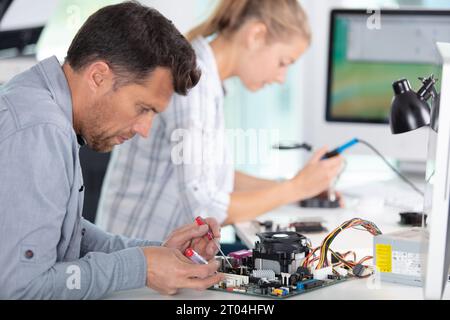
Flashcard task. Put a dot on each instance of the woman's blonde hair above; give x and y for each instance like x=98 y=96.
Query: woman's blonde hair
x=283 y=18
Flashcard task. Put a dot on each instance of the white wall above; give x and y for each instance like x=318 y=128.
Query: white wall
x=183 y=13
x=31 y=13
x=62 y=26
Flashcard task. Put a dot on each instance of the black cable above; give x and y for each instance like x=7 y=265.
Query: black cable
x=367 y=144
x=406 y=180
x=431 y=176
x=292 y=146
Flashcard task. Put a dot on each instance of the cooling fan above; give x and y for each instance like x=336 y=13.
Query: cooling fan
x=280 y=251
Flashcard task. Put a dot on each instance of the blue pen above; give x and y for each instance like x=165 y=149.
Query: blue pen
x=340 y=149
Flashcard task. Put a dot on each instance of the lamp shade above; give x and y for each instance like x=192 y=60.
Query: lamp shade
x=408 y=111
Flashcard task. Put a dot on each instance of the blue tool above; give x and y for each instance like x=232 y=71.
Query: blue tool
x=340 y=149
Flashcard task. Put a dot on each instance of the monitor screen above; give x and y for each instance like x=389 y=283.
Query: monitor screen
x=363 y=62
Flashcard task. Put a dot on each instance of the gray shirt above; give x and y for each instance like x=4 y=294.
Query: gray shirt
x=47 y=250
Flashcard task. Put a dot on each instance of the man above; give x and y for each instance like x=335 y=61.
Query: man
x=121 y=70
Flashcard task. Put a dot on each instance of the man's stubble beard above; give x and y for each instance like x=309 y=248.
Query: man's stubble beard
x=96 y=140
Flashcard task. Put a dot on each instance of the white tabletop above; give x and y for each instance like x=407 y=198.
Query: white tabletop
x=358 y=289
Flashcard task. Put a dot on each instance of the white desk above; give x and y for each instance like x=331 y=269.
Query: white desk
x=361 y=242
x=351 y=290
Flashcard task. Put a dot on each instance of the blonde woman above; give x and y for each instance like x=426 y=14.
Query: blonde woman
x=153 y=186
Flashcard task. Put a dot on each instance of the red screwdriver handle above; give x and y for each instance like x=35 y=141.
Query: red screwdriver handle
x=200 y=221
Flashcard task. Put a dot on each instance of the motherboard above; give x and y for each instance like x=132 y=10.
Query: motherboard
x=284 y=264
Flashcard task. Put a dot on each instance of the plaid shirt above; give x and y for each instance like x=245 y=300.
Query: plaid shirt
x=148 y=194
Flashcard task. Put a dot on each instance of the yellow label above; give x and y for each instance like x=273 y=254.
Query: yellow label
x=383 y=254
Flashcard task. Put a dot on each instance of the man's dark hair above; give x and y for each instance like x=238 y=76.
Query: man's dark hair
x=134 y=40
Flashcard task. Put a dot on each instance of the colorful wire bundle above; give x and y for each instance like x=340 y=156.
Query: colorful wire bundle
x=324 y=248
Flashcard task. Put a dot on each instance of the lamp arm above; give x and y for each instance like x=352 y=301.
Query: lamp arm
x=435 y=105
x=428 y=90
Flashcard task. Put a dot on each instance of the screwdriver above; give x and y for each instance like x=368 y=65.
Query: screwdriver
x=200 y=221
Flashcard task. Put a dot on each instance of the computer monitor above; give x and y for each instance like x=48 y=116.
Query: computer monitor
x=436 y=245
x=362 y=64
x=25 y=14
x=20 y=26
x=4 y=5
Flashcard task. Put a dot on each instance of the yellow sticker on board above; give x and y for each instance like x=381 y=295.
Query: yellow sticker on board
x=383 y=254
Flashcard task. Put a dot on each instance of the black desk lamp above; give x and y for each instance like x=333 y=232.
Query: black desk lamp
x=410 y=110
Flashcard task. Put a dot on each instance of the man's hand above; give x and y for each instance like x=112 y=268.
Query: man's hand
x=194 y=236
x=317 y=176
x=168 y=270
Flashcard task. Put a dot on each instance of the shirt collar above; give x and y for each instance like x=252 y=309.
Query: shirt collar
x=55 y=78
x=206 y=54
x=56 y=81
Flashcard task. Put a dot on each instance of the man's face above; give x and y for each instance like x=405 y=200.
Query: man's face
x=118 y=115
